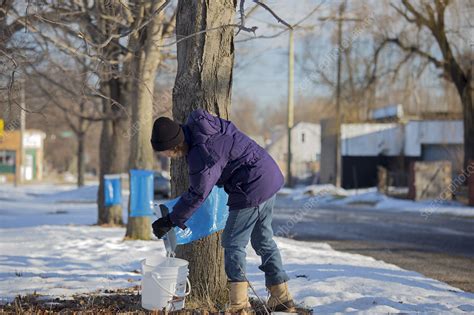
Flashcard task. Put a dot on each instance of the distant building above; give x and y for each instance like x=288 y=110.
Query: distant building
x=364 y=146
x=387 y=113
x=305 y=148
x=21 y=156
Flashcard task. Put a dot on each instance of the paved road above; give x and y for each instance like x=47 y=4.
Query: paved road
x=440 y=246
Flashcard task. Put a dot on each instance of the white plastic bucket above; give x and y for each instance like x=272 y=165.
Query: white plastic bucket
x=164 y=282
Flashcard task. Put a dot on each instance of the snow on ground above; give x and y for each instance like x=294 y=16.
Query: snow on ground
x=33 y=205
x=57 y=255
x=329 y=195
x=63 y=260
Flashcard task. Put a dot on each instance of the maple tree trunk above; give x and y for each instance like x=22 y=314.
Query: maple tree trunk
x=113 y=146
x=203 y=80
x=145 y=64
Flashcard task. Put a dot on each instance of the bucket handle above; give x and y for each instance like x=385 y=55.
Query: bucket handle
x=153 y=275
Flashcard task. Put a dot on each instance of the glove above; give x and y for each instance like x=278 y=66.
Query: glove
x=162 y=226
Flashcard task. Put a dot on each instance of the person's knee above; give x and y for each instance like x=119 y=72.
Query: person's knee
x=256 y=244
x=263 y=247
x=234 y=252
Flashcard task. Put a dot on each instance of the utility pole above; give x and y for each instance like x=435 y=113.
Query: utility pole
x=338 y=98
x=339 y=19
x=290 y=110
x=291 y=89
x=22 y=130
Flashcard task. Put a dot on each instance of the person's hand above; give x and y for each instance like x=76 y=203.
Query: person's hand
x=162 y=226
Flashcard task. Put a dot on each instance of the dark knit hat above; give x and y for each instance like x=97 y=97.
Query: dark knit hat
x=166 y=134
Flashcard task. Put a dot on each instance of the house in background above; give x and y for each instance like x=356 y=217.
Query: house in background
x=305 y=148
x=393 y=145
x=392 y=139
x=21 y=155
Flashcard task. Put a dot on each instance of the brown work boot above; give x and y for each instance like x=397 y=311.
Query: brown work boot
x=239 y=299
x=280 y=299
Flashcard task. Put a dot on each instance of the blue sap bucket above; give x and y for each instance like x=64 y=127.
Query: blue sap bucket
x=141 y=193
x=210 y=217
x=112 y=190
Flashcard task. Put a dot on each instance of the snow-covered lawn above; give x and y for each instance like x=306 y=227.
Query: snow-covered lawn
x=57 y=254
x=369 y=198
x=34 y=205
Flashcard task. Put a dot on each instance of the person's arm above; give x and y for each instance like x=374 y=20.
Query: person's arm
x=200 y=185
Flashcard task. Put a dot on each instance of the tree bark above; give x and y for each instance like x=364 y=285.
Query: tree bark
x=145 y=64
x=468 y=117
x=81 y=139
x=462 y=79
x=115 y=86
x=203 y=80
x=112 y=146
x=80 y=159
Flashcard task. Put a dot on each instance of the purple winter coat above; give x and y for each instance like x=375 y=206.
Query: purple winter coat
x=220 y=154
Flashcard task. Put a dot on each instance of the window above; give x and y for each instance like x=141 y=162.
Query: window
x=7 y=158
x=7 y=161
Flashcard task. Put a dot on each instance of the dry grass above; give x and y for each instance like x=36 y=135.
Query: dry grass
x=125 y=301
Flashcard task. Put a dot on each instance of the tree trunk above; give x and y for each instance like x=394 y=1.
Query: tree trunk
x=203 y=80
x=468 y=116
x=81 y=138
x=113 y=146
x=80 y=159
x=145 y=64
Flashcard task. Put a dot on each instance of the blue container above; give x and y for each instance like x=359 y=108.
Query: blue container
x=141 y=193
x=209 y=218
x=112 y=190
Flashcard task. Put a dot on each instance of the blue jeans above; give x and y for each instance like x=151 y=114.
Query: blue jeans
x=254 y=224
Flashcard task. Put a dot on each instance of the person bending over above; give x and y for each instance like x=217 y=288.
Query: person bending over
x=220 y=154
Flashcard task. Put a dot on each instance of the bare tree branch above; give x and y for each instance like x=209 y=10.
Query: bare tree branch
x=242 y=15
x=280 y=20
x=307 y=16
x=416 y=50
